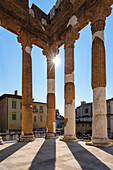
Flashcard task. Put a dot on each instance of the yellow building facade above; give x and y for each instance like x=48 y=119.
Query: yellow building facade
x=39 y=115
x=11 y=113
x=84 y=127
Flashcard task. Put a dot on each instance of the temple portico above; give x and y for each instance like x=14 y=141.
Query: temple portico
x=49 y=32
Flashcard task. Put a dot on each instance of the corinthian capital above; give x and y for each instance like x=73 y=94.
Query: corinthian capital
x=25 y=39
x=70 y=36
x=50 y=52
x=99 y=11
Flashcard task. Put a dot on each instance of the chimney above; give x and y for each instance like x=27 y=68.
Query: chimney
x=83 y=102
x=15 y=92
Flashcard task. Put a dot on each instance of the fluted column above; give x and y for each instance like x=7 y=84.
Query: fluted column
x=51 y=113
x=27 y=113
x=99 y=124
x=69 y=115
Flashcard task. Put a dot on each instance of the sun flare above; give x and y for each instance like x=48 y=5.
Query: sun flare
x=56 y=61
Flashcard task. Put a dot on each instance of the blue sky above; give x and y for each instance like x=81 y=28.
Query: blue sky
x=11 y=64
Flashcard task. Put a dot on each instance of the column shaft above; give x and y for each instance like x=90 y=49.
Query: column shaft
x=51 y=113
x=51 y=116
x=69 y=94
x=27 y=125
x=69 y=126
x=1 y=141
x=27 y=112
x=99 y=124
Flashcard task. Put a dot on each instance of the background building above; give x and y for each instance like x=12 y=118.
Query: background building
x=59 y=120
x=39 y=115
x=59 y=123
x=84 y=118
x=11 y=113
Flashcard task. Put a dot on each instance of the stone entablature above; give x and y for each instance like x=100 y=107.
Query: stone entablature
x=48 y=30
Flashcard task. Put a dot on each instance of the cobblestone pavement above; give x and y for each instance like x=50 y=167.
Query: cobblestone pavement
x=51 y=154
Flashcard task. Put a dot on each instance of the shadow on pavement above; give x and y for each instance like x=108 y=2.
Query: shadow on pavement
x=108 y=150
x=46 y=157
x=86 y=160
x=5 y=153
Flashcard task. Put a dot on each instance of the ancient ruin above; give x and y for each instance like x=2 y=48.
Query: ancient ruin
x=49 y=32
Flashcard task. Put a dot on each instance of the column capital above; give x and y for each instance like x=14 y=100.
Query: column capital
x=50 y=52
x=98 y=25
x=25 y=39
x=70 y=36
x=99 y=12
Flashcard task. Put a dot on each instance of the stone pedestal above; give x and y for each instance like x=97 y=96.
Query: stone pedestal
x=1 y=141
x=69 y=115
x=100 y=144
x=26 y=138
x=69 y=138
x=27 y=112
x=51 y=136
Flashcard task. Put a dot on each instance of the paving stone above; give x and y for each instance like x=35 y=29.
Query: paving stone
x=52 y=154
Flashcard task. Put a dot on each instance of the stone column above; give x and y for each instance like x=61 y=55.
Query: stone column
x=1 y=141
x=99 y=124
x=69 y=115
x=27 y=113
x=51 y=112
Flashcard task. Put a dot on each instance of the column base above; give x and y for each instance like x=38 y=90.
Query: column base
x=1 y=141
x=69 y=138
x=51 y=136
x=26 y=138
x=100 y=142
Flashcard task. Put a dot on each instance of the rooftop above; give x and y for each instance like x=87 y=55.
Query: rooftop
x=84 y=103
x=16 y=96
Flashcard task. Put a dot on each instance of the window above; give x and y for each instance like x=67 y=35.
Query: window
x=86 y=110
x=34 y=107
x=35 y=119
x=13 y=104
x=20 y=105
x=13 y=116
x=20 y=116
x=41 y=109
x=41 y=118
x=83 y=125
x=108 y=108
